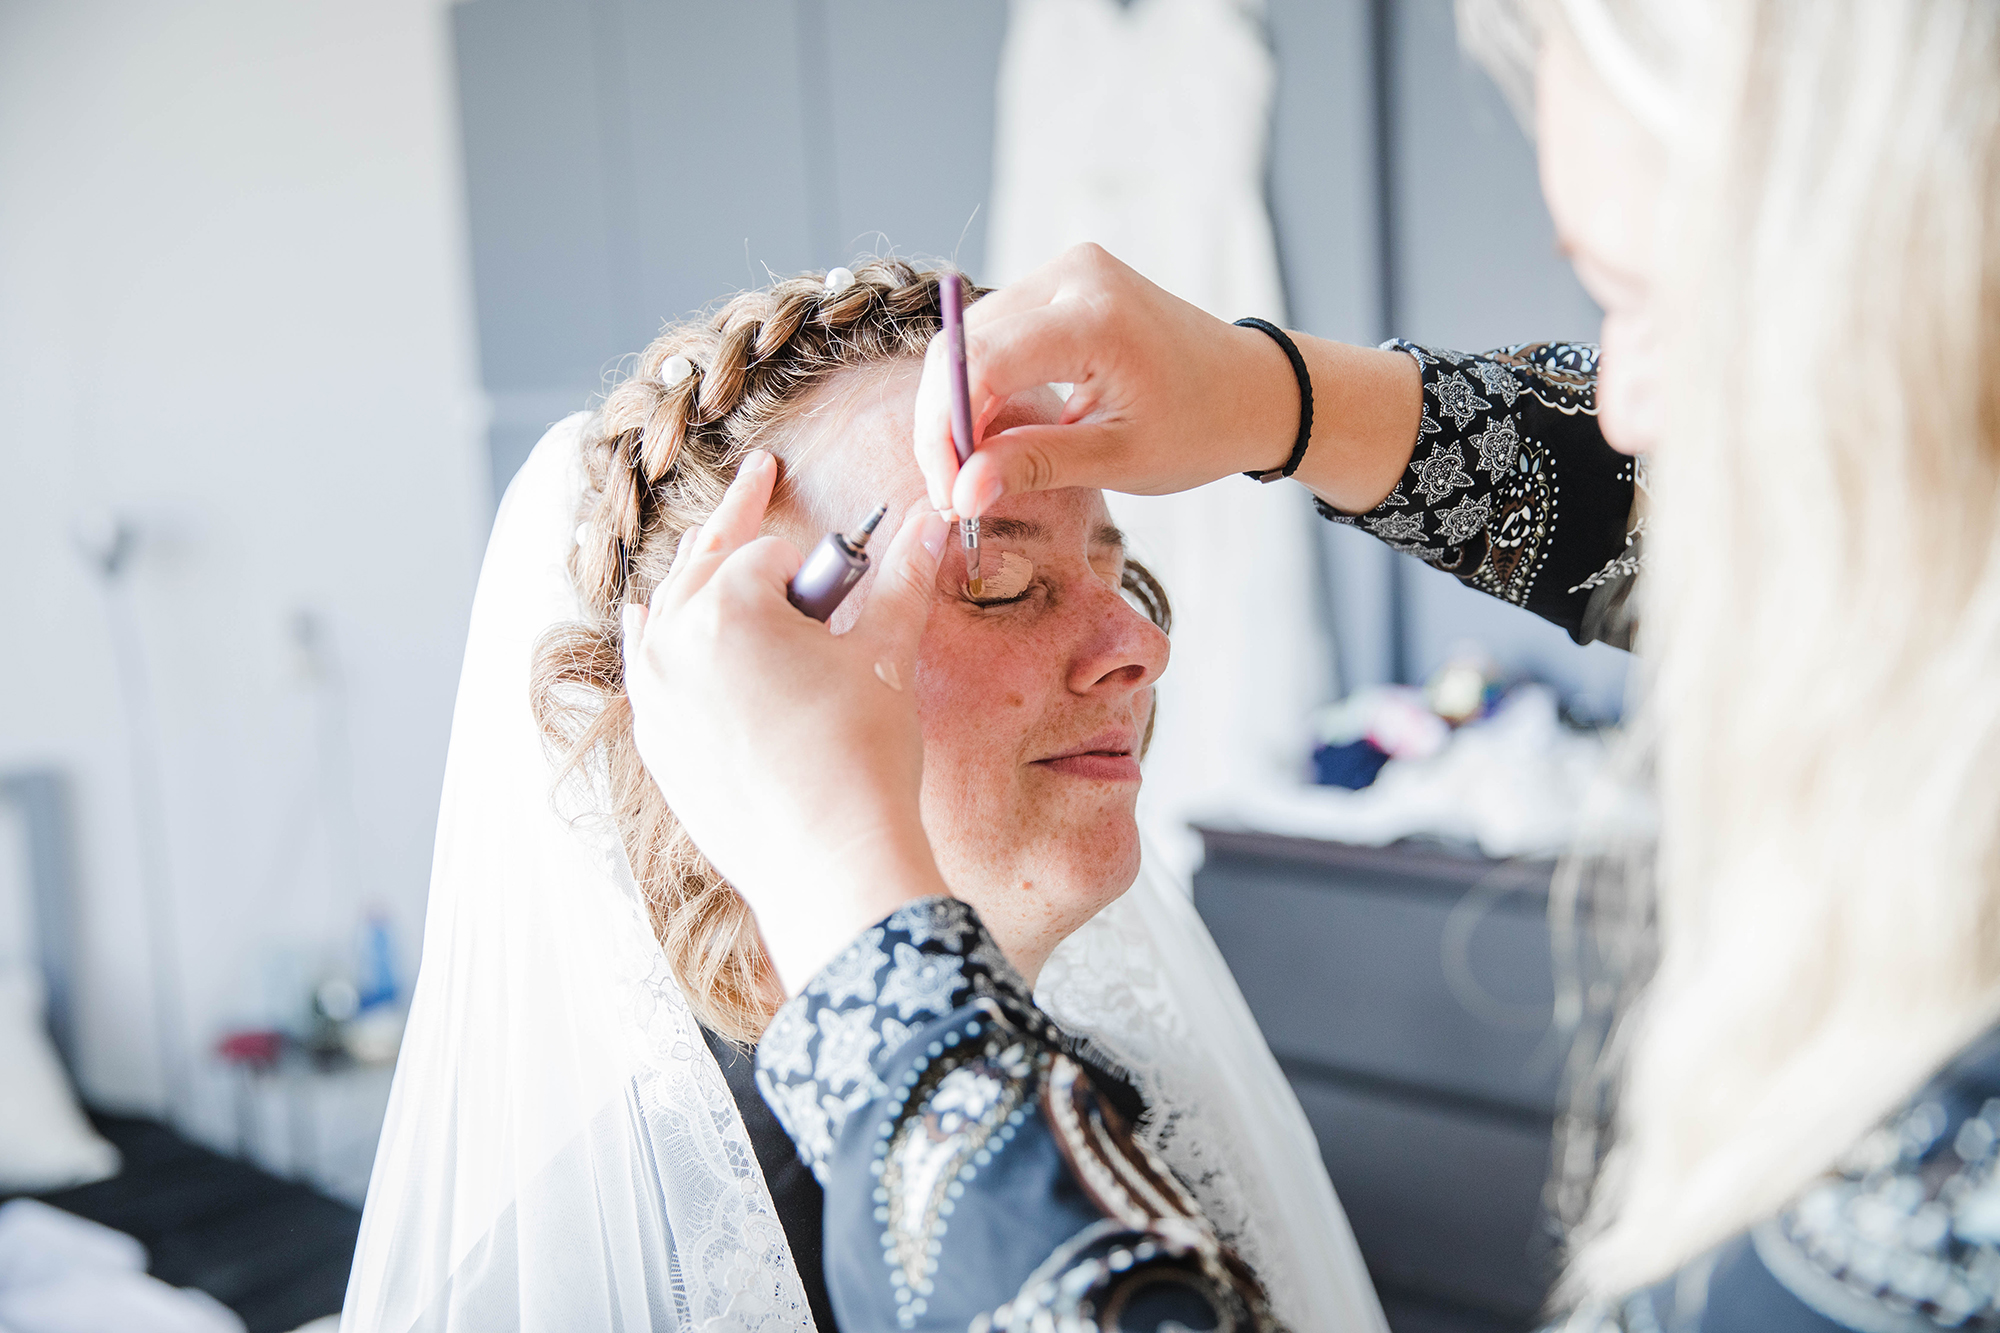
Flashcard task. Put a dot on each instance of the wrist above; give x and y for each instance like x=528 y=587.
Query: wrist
x=1366 y=426
x=1263 y=404
x=853 y=887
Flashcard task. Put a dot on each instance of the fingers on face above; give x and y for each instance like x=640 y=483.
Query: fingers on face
x=632 y=623
x=734 y=524
x=737 y=519
x=687 y=542
x=892 y=620
x=937 y=457
x=755 y=571
x=676 y=568
x=1050 y=344
x=1024 y=458
x=1034 y=289
x=1017 y=337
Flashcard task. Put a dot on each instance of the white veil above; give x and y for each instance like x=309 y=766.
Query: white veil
x=561 y=1149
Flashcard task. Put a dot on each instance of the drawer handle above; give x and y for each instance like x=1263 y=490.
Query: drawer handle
x=1455 y=953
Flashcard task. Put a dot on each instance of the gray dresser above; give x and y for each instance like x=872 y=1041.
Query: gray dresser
x=1407 y=992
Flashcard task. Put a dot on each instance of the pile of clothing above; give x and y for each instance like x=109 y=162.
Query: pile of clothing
x=1467 y=759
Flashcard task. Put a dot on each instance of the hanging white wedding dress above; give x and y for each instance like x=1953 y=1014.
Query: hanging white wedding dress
x=561 y=1150
x=1144 y=126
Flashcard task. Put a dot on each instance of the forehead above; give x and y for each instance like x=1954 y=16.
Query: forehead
x=853 y=451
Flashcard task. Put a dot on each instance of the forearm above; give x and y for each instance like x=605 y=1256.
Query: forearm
x=1367 y=408
x=970 y=1165
x=1511 y=487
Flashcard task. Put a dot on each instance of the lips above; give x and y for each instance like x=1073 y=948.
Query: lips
x=1108 y=756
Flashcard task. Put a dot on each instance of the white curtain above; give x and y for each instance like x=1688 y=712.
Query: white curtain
x=1145 y=127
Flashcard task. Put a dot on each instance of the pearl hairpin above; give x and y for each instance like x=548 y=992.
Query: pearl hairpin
x=839 y=280
x=675 y=369
x=584 y=532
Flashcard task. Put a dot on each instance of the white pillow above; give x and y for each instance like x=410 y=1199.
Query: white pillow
x=45 y=1143
x=62 y=1274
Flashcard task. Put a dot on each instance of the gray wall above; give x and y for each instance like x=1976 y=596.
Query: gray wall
x=631 y=160
x=1473 y=264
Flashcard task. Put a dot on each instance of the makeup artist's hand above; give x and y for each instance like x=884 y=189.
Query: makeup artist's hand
x=791 y=755
x=1166 y=396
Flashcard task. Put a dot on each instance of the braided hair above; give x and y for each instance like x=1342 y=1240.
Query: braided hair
x=657 y=458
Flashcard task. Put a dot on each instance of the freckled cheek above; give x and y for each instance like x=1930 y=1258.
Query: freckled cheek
x=973 y=707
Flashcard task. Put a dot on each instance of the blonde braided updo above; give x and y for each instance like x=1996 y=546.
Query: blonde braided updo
x=657 y=459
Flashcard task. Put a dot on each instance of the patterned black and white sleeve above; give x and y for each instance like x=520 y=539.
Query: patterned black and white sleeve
x=1512 y=490
x=975 y=1175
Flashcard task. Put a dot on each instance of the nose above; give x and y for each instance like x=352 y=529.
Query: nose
x=1118 y=650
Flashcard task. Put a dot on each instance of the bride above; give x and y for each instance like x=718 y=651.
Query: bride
x=574 y=1139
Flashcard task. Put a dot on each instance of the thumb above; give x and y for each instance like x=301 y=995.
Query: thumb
x=893 y=619
x=1036 y=458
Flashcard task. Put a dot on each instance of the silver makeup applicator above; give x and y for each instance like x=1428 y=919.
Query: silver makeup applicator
x=832 y=570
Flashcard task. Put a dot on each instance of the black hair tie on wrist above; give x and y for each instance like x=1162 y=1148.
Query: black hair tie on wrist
x=1291 y=351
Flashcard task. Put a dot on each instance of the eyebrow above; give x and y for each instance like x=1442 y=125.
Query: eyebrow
x=1013 y=529
x=1026 y=529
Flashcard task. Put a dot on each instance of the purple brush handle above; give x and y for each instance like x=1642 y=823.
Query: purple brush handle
x=951 y=296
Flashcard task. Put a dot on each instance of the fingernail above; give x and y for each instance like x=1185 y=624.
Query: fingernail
x=755 y=462
x=933 y=533
x=632 y=620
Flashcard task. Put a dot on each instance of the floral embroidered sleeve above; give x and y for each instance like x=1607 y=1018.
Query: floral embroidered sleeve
x=1903 y=1234
x=1512 y=489
x=975 y=1175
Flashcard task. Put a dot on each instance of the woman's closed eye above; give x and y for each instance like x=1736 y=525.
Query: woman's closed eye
x=1011 y=579
x=996 y=603
x=1008 y=578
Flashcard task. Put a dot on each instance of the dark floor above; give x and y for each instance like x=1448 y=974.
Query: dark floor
x=275 y=1251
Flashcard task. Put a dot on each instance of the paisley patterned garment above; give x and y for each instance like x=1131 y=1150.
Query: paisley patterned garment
x=977 y=1174
x=978 y=1177
x=1512 y=490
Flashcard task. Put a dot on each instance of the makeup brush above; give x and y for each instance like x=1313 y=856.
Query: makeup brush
x=951 y=294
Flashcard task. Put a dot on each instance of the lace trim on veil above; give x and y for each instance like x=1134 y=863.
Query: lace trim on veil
x=1220 y=1112
x=1108 y=992
x=731 y=1266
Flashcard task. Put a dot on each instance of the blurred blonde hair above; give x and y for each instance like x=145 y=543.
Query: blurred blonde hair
x=1822 y=607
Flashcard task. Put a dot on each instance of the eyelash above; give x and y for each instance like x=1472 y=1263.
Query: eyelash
x=987 y=603
x=1034 y=586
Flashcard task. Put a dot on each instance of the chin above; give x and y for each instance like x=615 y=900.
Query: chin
x=1100 y=863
